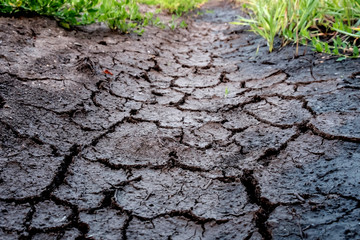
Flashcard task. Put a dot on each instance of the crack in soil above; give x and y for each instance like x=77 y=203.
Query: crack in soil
x=266 y=207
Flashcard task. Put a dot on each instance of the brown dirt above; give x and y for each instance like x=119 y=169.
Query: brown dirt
x=158 y=150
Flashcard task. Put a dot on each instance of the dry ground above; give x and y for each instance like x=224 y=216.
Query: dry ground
x=194 y=136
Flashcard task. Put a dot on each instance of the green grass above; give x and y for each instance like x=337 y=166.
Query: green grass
x=123 y=15
x=175 y=6
x=330 y=26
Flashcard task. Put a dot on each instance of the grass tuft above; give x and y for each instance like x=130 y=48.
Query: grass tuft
x=330 y=26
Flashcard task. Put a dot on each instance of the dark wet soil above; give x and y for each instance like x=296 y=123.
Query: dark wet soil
x=194 y=135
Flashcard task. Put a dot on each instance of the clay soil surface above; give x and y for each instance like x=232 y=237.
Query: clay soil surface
x=195 y=135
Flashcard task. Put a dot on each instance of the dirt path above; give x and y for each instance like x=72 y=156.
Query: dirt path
x=194 y=136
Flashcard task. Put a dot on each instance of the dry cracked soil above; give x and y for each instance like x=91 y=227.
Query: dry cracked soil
x=197 y=133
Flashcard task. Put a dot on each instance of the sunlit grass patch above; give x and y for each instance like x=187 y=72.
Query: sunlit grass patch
x=175 y=6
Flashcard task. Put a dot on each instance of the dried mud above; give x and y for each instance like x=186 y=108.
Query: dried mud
x=199 y=133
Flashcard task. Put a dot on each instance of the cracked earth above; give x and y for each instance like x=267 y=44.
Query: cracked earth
x=200 y=133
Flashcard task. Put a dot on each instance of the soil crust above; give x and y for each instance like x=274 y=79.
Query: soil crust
x=197 y=133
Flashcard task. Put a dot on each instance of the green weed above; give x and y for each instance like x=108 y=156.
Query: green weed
x=123 y=15
x=177 y=7
x=183 y=24
x=174 y=23
x=331 y=26
x=265 y=20
x=226 y=92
